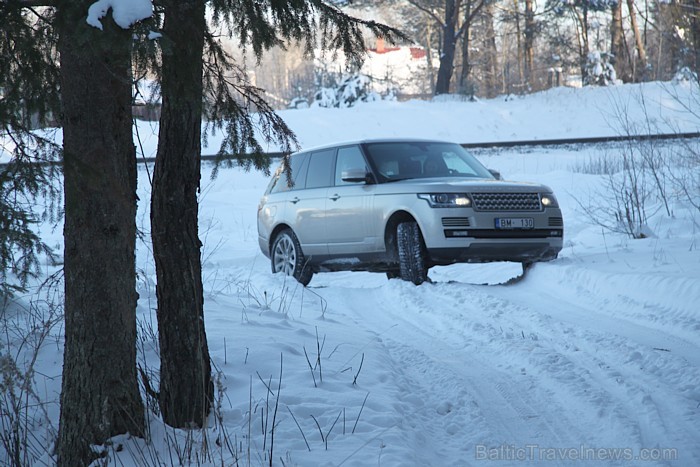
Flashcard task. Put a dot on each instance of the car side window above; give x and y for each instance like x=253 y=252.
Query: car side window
x=348 y=158
x=320 y=169
x=298 y=164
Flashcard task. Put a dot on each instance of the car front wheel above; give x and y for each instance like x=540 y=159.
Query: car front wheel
x=411 y=249
x=287 y=257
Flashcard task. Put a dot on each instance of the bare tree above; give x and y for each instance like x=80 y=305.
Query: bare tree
x=639 y=64
x=617 y=42
x=446 y=14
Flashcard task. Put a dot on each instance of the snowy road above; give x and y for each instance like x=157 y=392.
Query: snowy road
x=550 y=362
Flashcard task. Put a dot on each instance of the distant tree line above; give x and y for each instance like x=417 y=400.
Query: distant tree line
x=489 y=47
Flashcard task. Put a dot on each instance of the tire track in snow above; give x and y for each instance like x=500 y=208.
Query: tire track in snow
x=650 y=391
x=530 y=375
x=481 y=403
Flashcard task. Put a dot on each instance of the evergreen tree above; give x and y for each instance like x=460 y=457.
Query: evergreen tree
x=100 y=395
x=199 y=78
x=28 y=95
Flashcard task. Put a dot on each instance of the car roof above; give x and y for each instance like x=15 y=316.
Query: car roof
x=372 y=140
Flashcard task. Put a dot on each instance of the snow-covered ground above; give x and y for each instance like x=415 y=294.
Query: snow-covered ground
x=591 y=359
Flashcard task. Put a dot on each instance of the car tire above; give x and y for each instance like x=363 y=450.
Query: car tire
x=411 y=249
x=286 y=256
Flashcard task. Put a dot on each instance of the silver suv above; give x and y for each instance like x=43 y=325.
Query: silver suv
x=400 y=207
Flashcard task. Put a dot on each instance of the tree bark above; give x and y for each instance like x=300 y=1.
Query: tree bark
x=519 y=41
x=529 y=42
x=692 y=10
x=100 y=396
x=617 y=45
x=466 y=65
x=639 y=68
x=491 y=53
x=449 y=45
x=186 y=388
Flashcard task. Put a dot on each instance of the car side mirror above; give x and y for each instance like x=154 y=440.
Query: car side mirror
x=496 y=174
x=355 y=175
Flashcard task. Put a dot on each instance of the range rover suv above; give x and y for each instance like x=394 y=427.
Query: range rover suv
x=400 y=207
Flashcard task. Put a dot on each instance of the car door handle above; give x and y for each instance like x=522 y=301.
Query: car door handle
x=335 y=197
x=294 y=200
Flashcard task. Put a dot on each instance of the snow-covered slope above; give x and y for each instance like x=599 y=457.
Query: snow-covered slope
x=591 y=359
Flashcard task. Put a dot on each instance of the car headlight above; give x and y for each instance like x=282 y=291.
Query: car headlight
x=549 y=200
x=446 y=200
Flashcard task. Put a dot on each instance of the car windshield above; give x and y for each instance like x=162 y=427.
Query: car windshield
x=393 y=161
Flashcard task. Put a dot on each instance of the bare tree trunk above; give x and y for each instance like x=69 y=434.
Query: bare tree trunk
x=582 y=38
x=186 y=388
x=466 y=66
x=694 y=12
x=639 y=68
x=100 y=396
x=449 y=45
x=516 y=12
x=491 y=53
x=617 y=46
x=429 y=56
x=529 y=43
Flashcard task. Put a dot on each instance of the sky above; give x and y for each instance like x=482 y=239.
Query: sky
x=591 y=359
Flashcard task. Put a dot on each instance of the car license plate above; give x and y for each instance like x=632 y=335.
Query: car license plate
x=510 y=223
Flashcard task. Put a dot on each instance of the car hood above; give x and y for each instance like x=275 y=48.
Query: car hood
x=462 y=185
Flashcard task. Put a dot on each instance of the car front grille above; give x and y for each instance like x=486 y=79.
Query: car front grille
x=556 y=222
x=455 y=222
x=506 y=201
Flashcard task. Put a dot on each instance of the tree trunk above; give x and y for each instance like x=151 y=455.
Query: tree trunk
x=617 y=45
x=519 y=41
x=640 y=65
x=449 y=45
x=491 y=53
x=466 y=66
x=100 y=396
x=529 y=42
x=186 y=388
x=429 y=56
x=582 y=38
x=693 y=11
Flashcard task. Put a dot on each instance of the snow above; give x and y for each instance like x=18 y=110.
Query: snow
x=125 y=12
x=591 y=359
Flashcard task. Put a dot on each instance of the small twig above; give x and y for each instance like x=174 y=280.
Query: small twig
x=250 y=416
x=318 y=354
x=300 y=430
x=319 y=428
x=311 y=368
x=358 y=415
x=332 y=426
x=267 y=386
x=354 y=381
x=274 y=415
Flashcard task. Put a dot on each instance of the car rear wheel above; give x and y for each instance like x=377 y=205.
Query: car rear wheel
x=411 y=249
x=287 y=257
